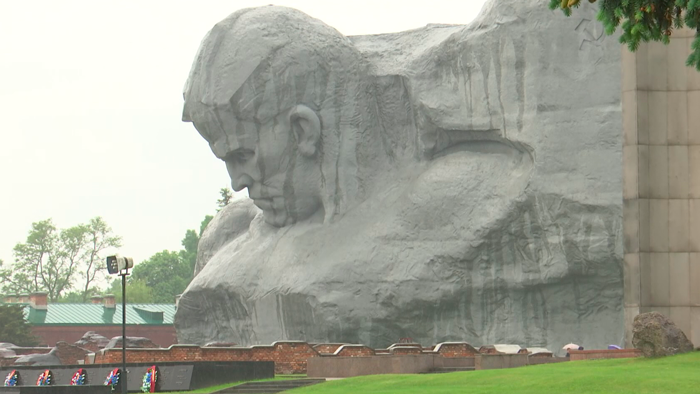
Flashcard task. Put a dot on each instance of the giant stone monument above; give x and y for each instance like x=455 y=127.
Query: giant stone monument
x=445 y=183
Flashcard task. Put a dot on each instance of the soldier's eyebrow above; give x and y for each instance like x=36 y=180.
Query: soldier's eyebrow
x=238 y=153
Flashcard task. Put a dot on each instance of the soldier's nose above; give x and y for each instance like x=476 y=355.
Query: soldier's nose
x=241 y=182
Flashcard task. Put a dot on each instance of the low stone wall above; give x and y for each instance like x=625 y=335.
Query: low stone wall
x=579 y=355
x=95 y=389
x=344 y=367
x=500 y=361
x=289 y=357
x=354 y=351
x=23 y=351
x=327 y=348
x=405 y=350
x=455 y=349
x=68 y=354
x=171 y=376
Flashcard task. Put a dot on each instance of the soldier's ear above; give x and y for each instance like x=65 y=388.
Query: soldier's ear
x=307 y=129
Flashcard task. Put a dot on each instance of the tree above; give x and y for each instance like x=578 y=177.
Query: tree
x=99 y=238
x=226 y=197
x=204 y=224
x=73 y=297
x=165 y=273
x=51 y=260
x=36 y=261
x=14 y=328
x=137 y=292
x=191 y=243
x=189 y=254
x=645 y=20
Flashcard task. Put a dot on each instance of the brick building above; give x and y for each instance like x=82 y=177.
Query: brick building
x=69 y=322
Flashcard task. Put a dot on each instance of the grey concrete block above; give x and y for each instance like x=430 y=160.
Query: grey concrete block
x=678 y=230
x=658 y=225
x=679 y=276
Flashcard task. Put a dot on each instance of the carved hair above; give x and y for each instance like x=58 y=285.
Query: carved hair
x=261 y=61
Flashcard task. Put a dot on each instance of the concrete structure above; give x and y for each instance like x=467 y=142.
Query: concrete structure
x=661 y=156
x=448 y=183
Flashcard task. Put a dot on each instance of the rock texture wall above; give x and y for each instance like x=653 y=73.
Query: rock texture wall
x=452 y=183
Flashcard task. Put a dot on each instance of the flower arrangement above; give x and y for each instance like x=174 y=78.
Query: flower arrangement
x=79 y=378
x=45 y=379
x=12 y=379
x=149 y=380
x=113 y=378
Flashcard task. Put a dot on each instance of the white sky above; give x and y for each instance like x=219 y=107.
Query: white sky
x=90 y=107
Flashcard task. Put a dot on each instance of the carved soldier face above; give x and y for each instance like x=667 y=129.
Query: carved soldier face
x=276 y=159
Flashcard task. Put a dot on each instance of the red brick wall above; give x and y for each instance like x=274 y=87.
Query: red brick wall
x=91 y=346
x=488 y=350
x=163 y=336
x=454 y=350
x=69 y=354
x=403 y=351
x=418 y=345
x=578 y=355
x=355 y=351
x=327 y=348
x=289 y=357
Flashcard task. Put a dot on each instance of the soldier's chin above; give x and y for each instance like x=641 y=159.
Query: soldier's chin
x=277 y=219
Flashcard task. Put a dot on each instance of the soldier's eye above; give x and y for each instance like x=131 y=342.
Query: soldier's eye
x=241 y=155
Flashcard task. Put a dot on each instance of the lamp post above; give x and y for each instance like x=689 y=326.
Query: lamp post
x=118 y=265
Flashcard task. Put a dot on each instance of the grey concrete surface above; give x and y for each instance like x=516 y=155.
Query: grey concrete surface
x=445 y=183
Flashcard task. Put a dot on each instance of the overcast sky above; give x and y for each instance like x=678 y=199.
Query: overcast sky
x=91 y=101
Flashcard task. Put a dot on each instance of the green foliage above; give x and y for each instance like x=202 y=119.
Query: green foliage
x=52 y=261
x=676 y=374
x=73 y=297
x=165 y=273
x=204 y=224
x=189 y=254
x=14 y=328
x=45 y=262
x=645 y=20
x=137 y=291
x=99 y=237
x=226 y=197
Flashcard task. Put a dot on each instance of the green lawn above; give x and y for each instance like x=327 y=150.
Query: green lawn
x=213 y=389
x=675 y=375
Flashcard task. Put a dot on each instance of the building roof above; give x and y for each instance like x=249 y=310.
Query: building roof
x=97 y=314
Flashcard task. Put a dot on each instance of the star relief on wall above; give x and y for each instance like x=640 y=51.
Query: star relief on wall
x=589 y=29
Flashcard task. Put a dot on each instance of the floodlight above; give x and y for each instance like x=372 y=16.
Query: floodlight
x=116 y=264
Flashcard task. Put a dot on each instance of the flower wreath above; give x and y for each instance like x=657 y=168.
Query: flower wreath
x=150 y=379
x=79 y=378
x=113 y=378
x=12 y=379
x=45 y=379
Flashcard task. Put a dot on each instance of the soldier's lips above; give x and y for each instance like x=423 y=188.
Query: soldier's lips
x=263 y=203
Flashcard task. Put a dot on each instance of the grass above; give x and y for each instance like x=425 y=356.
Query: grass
x=212 y=389
x=677 y=375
